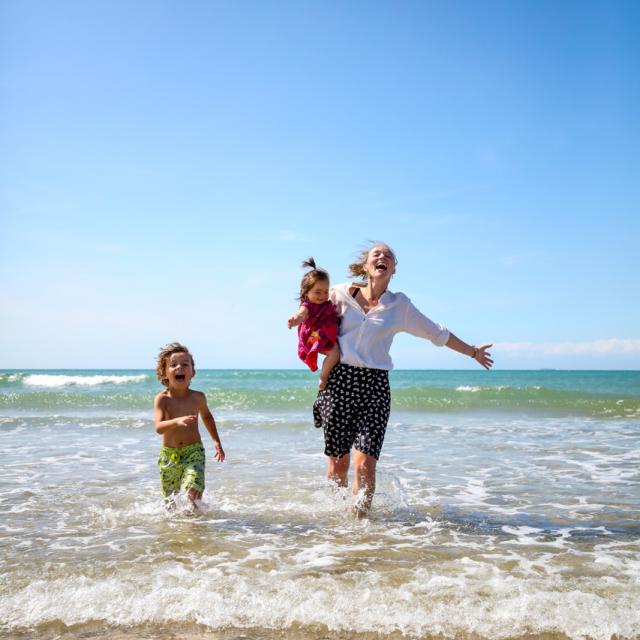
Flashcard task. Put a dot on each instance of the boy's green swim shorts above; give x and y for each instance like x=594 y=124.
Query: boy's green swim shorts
x=181 y=468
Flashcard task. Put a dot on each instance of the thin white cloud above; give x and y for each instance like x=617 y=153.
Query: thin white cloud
x=288 y=235
x=263 y=278
x=606 y=347
x=520 y=258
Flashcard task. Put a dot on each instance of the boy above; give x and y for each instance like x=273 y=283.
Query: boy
x=175 y=414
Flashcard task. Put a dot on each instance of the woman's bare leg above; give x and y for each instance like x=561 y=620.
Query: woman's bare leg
x=337 y=469
x=364 y=480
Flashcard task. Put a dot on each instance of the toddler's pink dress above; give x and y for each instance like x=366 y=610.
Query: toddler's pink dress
x=318 y=333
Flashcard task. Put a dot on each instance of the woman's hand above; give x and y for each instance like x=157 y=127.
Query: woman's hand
x=482 y=356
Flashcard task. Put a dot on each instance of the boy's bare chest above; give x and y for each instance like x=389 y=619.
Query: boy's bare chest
x=176 y=408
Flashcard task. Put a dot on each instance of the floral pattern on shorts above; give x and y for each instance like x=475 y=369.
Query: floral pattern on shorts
x=354 y=410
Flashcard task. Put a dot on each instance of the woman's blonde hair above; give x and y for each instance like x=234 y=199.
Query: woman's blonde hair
x=356 y=269
x=310 y=278
x=165 y=353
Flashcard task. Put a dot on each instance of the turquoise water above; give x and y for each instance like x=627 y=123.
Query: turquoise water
x=508 y=506
x=589 y=393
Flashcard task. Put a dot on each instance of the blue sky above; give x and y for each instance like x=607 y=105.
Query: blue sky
x=167 y=165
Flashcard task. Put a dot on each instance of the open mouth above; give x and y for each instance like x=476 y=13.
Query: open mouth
x=381 y=266
x=180 y=377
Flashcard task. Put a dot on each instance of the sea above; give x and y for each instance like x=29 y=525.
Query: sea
x=507 y=507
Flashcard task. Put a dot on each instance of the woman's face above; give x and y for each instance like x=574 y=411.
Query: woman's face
x=381 y=262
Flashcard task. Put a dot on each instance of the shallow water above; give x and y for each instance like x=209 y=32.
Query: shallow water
x=488 y=522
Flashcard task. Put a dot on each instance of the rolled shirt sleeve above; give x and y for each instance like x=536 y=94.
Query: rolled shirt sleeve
x=417 y=324
x=365 y=338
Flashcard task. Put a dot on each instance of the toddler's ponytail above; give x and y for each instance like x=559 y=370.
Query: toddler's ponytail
x=311 y=277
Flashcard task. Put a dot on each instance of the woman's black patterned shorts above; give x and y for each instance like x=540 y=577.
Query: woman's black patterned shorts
x=354 y=410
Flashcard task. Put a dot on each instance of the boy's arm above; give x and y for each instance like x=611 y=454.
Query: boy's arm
x=298 y=317
x=210 y=424
x=159 y=415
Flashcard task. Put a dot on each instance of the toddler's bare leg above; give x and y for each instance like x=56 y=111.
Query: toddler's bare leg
x=331 y=360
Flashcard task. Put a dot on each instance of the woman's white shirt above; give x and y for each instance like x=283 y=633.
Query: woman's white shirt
x=365 y=338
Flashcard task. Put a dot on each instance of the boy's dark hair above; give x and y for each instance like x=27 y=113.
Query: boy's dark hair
x=311 y=277
x=165 y=353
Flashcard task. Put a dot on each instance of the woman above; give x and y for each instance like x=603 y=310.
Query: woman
x=354 y=407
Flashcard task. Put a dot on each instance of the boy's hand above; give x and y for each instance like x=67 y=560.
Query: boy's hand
x=219 y=452
x=187 y=421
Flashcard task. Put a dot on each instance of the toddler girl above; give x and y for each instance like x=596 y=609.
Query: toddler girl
x=317 y=322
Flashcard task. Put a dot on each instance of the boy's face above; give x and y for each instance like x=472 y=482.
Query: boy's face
x=179 y=370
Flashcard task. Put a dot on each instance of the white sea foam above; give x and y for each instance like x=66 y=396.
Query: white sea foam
x=468 y=388
x=475 y=493
x=478 y=600
x=54 y=381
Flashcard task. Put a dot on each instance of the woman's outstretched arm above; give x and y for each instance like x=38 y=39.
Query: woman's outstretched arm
x=479 y=354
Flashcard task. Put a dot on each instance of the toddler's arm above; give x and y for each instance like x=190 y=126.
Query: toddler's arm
x=298 y=317
x=210 y=424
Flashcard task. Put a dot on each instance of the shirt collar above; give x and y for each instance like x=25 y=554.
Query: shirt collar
x=386 y=297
